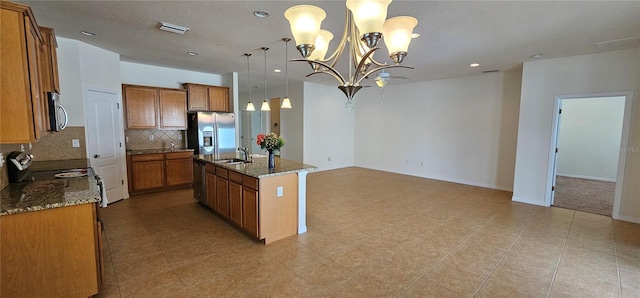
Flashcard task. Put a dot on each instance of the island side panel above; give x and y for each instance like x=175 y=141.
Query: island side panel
x=278 y=215
x=302 y=202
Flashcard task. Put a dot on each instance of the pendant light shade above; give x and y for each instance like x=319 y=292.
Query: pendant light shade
x=250 y=106
x=286 y=103
x=265 y=103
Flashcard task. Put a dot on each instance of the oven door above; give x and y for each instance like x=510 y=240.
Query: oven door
x=58 y=117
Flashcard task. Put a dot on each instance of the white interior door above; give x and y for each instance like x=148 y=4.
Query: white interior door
x=104 y=139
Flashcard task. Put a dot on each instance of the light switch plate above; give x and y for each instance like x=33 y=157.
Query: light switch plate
x=279 y=191
x=75 y=143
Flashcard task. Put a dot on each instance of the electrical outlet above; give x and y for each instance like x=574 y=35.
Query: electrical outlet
x=22 y=147
x=179 y=136
x=279 y=191
x=30 y=147
x=1 y=159
x=126 y=139
x=151 y=137
x=75 y=143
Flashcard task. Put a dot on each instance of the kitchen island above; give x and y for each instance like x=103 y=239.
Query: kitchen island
x=50 y=238
x=267 y=204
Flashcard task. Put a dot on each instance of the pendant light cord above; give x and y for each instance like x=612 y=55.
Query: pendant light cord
x=286 y=68
x=265 y=49
x=248 y=75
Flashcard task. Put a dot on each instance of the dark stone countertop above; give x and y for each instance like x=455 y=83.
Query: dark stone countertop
x=47 y=194
x=259 y=167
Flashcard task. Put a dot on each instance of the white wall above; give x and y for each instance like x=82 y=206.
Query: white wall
x=589 y=137
x=461 y=130
x=158 y=76
x=545 y=79
x=328 y=128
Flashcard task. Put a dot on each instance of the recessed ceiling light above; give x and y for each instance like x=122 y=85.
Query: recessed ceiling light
x=277 y=70
x=535 y=56
x=415 y=35
x=192 y=53
x=474 y=64
x=87 y=33
x=261 y=14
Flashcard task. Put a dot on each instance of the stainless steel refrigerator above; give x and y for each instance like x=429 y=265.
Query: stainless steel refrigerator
x=211 y=133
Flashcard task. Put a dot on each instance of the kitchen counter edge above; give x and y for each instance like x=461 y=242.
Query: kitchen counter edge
x=258 y=168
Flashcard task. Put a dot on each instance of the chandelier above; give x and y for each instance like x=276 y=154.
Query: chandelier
x=365 y=26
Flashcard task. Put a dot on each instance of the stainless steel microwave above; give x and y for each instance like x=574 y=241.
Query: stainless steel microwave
x=58 y=117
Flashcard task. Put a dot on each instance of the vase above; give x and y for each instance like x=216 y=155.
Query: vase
x=272 y=160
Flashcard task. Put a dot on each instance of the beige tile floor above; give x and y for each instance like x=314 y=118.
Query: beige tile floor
x=372 y=234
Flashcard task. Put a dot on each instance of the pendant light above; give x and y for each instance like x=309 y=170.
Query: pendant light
x=250 y=106
x=265 y=103
x=286 y=103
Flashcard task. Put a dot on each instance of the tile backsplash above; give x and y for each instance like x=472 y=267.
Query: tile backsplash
x=138 y=139
x=49 y=149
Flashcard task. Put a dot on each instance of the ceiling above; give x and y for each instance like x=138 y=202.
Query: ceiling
x=499 y=35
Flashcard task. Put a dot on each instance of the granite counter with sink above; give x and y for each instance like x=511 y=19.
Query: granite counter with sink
x=258 y=167
x=157 y=150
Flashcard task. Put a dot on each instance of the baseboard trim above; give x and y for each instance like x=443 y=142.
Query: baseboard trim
x=587 y=177
x=528 y=201
x=629 y=219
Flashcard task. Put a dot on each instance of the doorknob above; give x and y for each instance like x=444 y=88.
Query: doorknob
x=96 y=156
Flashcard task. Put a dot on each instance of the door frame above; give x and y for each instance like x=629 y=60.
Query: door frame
x=624 y=141
x=122 y=160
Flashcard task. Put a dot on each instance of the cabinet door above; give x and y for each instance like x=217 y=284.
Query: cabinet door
x=211 y=190
x=235 y=203
x=140 y=107
x=222 y=196
x=49 y=61
x=250 y=212
x=219 y=99
x=148 y=175
x=34 y=47
x=179 y=171
x=173 y=109
x=197 y=98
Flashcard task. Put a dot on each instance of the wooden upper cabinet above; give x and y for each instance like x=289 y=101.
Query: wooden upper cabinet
x=207 y=98
x=173 y=109
x=49 y=61
x=154 y=107
x=198 y=98
x=141 y=106
x=22 y=117
x=218 y=99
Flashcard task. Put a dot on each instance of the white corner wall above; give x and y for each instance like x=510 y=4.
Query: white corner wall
x=542 y=81
x=158 y=76
x=589 y=137
x=461 y=130
x=328 y=128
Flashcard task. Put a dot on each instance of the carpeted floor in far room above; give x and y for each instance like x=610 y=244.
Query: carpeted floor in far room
x=586 y=195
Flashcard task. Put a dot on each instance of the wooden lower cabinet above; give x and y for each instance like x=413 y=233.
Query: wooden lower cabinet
x=179 y=168
x=250 y=221
x=211 y=190
x=50 y=253
x=222 y=196
x=148 y=175
x=235 y=203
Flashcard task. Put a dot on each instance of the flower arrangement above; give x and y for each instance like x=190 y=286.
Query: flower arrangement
x=270 y=141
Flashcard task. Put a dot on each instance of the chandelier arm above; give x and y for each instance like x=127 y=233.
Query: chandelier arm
x=325 y=72
x=328 y=70
x=343 y=42
x=381 y=68
x=361 y=65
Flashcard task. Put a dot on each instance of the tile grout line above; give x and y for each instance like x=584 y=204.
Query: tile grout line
x=505 y=254
x=564 y=246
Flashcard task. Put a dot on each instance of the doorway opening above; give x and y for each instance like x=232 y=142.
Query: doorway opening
x=588 y=156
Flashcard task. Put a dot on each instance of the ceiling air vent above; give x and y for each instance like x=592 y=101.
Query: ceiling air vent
x=617 y=44
x=490 y=71
x=172 y=28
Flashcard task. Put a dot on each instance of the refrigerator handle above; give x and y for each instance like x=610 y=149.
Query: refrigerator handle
x=216 y=144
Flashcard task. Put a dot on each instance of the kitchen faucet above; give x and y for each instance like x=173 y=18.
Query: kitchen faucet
x=245 y=152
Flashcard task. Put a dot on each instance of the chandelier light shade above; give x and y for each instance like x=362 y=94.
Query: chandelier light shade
x=305 y=21
x=369 y=16
x=250 y=106
x=365 y=26
x=321 y=45
x=397 y=36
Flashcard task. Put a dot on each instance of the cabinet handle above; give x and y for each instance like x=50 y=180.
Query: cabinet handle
x=96 y=156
